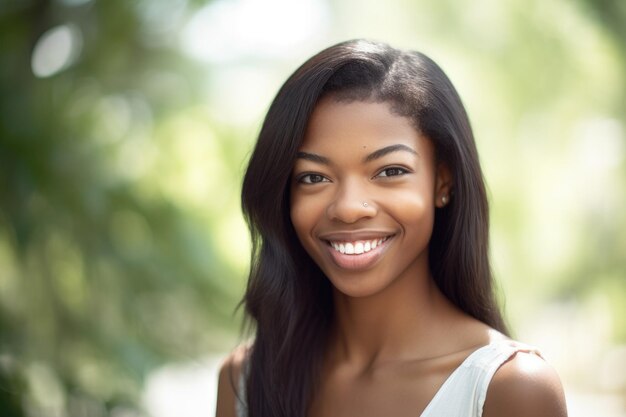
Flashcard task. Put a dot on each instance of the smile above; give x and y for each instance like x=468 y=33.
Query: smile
x=357 y=247
x=360 y=254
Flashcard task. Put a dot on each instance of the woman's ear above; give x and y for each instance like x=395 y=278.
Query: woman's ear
x=443 y=185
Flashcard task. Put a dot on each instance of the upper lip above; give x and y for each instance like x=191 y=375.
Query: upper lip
x=351 y=236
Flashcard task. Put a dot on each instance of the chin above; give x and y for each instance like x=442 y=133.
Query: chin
x=358 y=285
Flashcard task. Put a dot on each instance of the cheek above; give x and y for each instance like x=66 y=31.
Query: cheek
x=303 y=224
x=415 y=211
x=303 y=216
x=420 y=205
x=307 y=212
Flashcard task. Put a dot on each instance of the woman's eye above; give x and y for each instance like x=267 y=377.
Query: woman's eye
x=312 y=179
x=392 y=172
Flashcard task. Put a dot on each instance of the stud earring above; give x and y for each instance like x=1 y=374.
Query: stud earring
x=444 y=199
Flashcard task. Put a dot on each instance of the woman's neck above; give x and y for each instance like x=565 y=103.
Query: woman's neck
x=405 y=321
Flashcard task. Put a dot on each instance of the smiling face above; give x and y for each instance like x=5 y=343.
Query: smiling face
x=363 y=195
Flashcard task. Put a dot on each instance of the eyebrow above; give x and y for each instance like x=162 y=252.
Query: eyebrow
x=369 y=158
x=387 y=150
x=313 y=158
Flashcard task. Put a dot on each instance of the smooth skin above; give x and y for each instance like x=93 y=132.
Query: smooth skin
x=396 y=338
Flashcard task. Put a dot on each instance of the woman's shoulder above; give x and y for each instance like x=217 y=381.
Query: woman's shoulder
x=233 y=363
x=228 y=382
x=524 y=386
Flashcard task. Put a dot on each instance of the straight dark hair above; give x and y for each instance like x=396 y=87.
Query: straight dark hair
x=288 y=299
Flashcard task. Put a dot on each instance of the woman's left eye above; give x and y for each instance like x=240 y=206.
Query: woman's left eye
x=392 y=172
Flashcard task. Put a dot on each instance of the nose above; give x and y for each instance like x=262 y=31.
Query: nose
x=350 y=204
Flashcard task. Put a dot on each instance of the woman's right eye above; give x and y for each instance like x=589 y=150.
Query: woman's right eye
x=312 y=179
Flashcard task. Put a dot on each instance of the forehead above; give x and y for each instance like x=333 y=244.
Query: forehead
x=358 y=128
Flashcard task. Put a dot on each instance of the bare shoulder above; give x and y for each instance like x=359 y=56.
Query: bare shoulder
x=230 y=372
x=525 y=386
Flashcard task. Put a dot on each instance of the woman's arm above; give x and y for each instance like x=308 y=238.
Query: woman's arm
x=525 y=386
x=228 y=382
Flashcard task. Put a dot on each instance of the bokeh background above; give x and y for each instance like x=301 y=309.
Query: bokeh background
x=125 y=126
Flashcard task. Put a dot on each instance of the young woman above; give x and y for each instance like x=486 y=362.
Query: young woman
x=370 y=289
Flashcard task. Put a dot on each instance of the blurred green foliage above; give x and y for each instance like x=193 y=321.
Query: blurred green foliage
x=102 y=276
x=121 y=246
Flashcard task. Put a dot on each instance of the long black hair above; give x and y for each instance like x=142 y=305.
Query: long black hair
x=288 y=299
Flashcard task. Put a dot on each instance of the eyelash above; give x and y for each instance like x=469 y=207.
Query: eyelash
x=403 y=171
x=400 y=171
x=301 y=178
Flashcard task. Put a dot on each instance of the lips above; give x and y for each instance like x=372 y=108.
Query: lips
x=357 y=247
x=357 y=253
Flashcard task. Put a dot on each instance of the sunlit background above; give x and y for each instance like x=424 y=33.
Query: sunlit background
x=125 y=126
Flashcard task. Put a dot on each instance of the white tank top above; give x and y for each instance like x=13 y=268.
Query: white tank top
x=463 y=393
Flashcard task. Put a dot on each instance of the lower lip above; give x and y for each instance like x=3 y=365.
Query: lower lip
x=359 y=262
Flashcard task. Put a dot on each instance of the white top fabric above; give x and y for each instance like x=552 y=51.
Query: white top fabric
x=463 y=393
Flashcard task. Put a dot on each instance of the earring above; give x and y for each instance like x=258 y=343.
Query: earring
x=364 y=204
x=444 y=199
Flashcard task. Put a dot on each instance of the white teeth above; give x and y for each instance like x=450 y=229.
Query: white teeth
x=358 y=247
x=349 y=249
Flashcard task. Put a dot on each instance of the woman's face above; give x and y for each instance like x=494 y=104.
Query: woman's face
x=363 y=195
